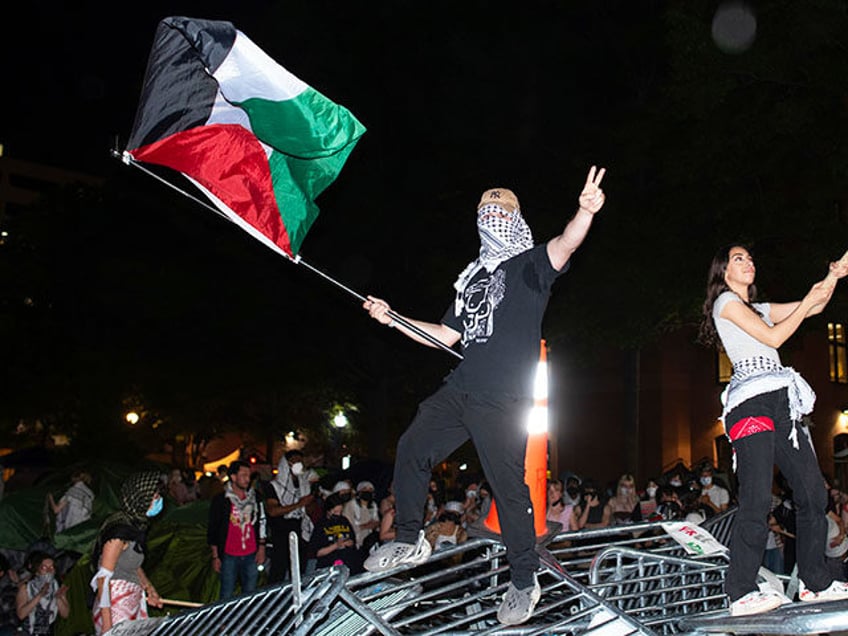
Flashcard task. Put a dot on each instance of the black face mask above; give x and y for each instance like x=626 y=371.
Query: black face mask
x=572 y=492
x=337 y=519
x=346 y=496
x=366 y=496
x=558 y=502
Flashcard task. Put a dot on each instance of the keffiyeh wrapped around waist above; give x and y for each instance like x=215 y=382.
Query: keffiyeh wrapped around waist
x=756 y=376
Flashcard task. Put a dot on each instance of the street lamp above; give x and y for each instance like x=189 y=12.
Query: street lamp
x=339 y=422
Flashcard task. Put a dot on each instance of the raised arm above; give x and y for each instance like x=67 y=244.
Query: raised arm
x=379 y=310
x=591 y=200
x=786 y=317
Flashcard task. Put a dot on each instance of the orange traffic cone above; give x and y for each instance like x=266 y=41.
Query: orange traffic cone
x=536 y=455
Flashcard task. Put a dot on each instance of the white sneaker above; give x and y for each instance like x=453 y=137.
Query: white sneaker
x=836 y=591
x=518 y=605
x=757 y=602
x=396 y=553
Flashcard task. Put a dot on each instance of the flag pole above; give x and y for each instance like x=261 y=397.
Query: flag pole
x=128 y=159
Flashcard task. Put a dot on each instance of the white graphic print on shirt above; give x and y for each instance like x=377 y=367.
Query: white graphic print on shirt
x=481 y=298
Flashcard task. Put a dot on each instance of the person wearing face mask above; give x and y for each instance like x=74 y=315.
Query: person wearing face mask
x=333 y=540
x=122 y=590
x=287 y=499
x=592 y=511
x=571 y=491
x=41 y=600
x=624 y=505
x=363 y=513
x=715 y=497
x=648 y=499
x=499 y=302
x=447 y=531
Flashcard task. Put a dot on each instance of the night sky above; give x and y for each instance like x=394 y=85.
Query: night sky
x=704 y=136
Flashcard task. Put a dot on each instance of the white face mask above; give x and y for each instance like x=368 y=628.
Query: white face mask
x=676 y=483
x=625 y=490
x=297 y=468
x=651 y=491
x=706 y=481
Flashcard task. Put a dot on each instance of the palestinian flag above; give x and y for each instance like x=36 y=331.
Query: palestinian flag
x=260 y=143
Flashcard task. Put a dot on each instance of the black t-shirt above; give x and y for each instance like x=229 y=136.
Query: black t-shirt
x=328 y=531
x=279 y=526
x=501 y=324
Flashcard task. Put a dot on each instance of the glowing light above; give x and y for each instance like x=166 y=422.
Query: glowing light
x=340 y=420
x=132 y=418
x=345 y=462
x=537 y=419
x=463 y=466
x=734 y=27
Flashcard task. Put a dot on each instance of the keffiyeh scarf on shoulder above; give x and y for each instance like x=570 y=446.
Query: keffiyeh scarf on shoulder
x=503 y=235
x=246 y=511
x=289 y=492
x=46 y=610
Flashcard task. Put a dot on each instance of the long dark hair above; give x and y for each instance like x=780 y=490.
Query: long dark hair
x=716 y=285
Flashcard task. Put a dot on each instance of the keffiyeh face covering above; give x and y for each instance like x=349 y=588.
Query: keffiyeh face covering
x=503 y=234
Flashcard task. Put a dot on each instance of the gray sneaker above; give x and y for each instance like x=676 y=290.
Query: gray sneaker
x=518 y=605
x=396 y=553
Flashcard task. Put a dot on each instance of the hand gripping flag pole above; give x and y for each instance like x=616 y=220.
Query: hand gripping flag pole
x=536 y=455
x=127 y=158
x=257 y=141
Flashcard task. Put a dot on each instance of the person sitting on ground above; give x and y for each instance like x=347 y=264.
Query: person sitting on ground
x=76 y=504
x=362 y=512
x=716 y=497
x=592 y=512
x=41 y=600
x=695 y=511
x=648 y=498
x=333 y=539
x=447 y=531
x=624 y=505
x=571 y=492
x=471 y=505
x=668 y=505
x=558 y=511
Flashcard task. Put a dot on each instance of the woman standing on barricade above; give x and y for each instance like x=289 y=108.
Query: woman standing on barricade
x=763 y=406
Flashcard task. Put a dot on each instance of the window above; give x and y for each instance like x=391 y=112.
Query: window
x=837 y=352
x=725 y=368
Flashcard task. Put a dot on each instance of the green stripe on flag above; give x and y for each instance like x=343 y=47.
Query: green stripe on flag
x=311 y=138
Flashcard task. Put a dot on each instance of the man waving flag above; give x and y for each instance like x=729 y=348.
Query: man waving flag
x=259 y=142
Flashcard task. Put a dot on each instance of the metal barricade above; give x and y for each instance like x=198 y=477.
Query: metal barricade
x=611 y=582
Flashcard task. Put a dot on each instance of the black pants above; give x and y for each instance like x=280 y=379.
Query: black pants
x=497 y=426
x=756 y=456
x=280 y=554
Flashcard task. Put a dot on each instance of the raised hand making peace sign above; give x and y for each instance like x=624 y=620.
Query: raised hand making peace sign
x=592 y=197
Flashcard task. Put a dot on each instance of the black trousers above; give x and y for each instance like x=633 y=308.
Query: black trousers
x=280 y=553
x=756 y=456
x=497 y=426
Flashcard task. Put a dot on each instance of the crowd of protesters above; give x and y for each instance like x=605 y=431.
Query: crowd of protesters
x=255 y=520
